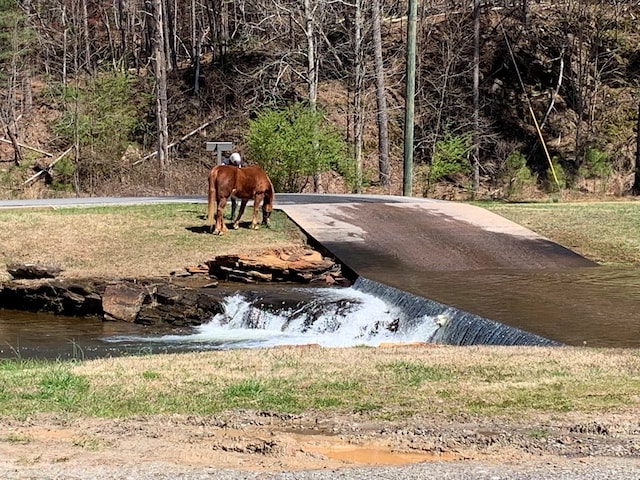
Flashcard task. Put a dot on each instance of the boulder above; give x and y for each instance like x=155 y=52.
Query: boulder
x=301 y=266
x=33 y=271
x=122 y=302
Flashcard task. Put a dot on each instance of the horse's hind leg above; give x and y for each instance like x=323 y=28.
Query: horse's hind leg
x=256 y=204
x=233 y=208
x=220 y=225
x=236 y=221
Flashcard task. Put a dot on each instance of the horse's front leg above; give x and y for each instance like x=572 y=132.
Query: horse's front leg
x=233 y=208
x=236 y=221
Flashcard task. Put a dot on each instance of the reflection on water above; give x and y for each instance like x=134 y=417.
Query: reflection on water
x=596 y=307
x=38 y=335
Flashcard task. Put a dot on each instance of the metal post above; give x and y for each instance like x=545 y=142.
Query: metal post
x=219 y=147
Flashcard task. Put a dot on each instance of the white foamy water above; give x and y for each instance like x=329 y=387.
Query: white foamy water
x=333 y=318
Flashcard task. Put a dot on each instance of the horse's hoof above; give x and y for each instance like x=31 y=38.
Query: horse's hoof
x=236 y=226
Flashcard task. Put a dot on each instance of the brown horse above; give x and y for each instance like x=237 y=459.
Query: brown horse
x=246 y=183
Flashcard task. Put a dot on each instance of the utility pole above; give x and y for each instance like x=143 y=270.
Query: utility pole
x=476 y=97
x=410 y=93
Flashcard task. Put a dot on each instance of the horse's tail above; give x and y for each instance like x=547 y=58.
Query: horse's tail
x=211 y=198
x=269 y=196
x=267 y=203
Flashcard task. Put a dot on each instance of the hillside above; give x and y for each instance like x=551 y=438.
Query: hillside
x=578 y=61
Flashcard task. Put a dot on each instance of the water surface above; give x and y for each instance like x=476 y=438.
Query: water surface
x=597 y=307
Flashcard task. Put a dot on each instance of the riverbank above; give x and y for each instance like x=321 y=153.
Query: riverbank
x=293 y=409
x=308 y=408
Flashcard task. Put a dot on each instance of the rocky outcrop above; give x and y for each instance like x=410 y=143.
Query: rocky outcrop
x=302 y=266
x=189 y=297
x=149 y=302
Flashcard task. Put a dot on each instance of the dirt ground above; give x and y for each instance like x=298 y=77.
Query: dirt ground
x=264 y=442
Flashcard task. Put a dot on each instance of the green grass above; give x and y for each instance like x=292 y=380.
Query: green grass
x=387 y=384
x=606 y=232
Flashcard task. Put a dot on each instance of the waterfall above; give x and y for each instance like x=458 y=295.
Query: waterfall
x=368 y=313
x=453 y=326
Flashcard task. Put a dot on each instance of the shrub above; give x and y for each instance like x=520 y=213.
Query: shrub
x=518 y=174
x=295 y=143
x=103 y=116
x=556 y=178
x=450 y=157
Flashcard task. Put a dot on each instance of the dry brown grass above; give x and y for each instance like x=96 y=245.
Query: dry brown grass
x=132 y=241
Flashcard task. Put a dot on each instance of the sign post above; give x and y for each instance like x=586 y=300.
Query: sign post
x=219 y=147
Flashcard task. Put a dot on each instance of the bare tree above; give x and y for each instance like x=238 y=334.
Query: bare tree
x=310 y=9
x=635 y=189
x=87 y=43
x=476 y=96
x=358 y=104
x=381 y=97
x=161 y=87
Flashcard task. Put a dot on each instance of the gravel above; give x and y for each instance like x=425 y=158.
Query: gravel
x=579 y=469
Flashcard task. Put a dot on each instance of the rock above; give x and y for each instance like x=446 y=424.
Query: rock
x=122 y=302
x=184 y=298
x=31 y=271
x=198 y=269
x=302 y=267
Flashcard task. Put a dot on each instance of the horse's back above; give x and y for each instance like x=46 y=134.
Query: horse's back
x=243 y=183
x=252 y=180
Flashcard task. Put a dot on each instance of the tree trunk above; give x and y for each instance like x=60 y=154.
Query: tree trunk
x=161 y=88
x=17 y=153
x=410 y=92
x=87 y=44
x=476 y=96
x=635 y=190
x=167 y=26
x=381 y=96
x=358 y=107
x=312 y=72
x=65 y=42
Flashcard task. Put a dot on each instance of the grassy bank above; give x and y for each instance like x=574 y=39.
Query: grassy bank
x=606 y=232
x=129 y=241
x=388 y=383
